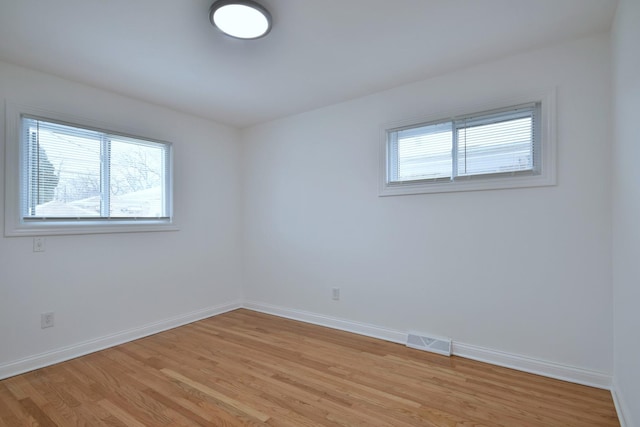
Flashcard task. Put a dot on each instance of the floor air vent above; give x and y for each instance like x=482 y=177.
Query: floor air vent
x=427 y=343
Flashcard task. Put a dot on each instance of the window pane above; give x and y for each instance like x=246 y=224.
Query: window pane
x=63 y=172
x=137 y=179
x=75 y=173
x=495 y=147
x=424 y=152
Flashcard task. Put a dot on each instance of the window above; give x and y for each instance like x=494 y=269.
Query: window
x=500 y=148
x=80 y=179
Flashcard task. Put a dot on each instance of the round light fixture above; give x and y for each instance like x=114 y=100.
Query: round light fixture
x=242 y=19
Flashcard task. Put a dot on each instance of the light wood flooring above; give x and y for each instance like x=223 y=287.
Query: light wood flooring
x=246 y=368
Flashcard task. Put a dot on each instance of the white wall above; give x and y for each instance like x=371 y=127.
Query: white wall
x=626 y=209
x=524 y=271
x=104 y=284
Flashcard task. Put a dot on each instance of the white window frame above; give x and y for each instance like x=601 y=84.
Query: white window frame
x=15 y=225
x=544 y=173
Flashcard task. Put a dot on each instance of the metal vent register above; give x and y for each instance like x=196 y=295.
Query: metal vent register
x=429 y=343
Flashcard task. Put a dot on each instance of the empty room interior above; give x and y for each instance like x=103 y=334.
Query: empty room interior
x=366 y=212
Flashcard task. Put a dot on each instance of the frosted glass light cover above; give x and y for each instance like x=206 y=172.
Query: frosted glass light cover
x=243 y=21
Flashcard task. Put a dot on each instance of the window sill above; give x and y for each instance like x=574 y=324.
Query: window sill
x=478 y=184
x=89 y=227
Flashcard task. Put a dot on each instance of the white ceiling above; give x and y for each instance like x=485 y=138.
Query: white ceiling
x=319 y=52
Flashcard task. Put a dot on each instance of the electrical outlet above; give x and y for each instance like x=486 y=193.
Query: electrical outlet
x=335 y=294
x=38 y=244
x=46 y=320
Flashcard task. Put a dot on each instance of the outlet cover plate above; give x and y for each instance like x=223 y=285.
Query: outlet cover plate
x=47 y=320
x=39 y=244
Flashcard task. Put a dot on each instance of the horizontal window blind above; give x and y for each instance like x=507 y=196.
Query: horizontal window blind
x=495 y=144
x=73 y=173
x=424 y=152
x=492 y=143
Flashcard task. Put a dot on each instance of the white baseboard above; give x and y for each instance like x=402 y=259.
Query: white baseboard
x=71 y=352
x=621 y=407
x=330 y=322
x=494 y=357
x=533 y=366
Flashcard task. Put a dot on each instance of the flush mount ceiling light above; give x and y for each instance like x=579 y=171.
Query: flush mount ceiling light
x=242 y=19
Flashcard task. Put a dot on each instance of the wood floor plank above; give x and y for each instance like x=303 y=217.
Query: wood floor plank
x=36 y=411
x=246 y=409
x=245 y=368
